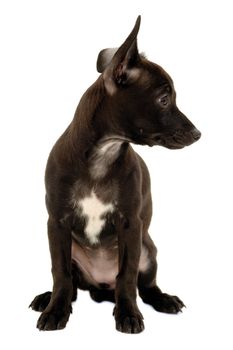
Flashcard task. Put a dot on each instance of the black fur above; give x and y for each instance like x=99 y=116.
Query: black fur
x=132 y=101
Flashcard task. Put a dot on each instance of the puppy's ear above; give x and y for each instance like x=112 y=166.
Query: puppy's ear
x=122 y=69
x=104 y=58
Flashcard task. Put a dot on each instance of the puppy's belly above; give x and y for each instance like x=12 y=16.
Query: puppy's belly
x=100 y=265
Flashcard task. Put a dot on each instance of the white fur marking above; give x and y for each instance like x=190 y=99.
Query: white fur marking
x=103 y=156
x=93 y=209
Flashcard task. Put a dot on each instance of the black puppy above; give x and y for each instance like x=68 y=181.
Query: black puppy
x=98 y=191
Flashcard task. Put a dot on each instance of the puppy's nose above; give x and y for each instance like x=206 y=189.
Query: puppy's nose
x=196 y=134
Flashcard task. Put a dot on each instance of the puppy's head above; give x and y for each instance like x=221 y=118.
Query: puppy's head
x=143 y=97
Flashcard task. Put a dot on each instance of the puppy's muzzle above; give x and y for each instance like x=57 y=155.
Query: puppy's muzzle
x=177 y=139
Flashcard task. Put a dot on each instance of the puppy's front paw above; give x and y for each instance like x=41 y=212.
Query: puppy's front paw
x=128 y=322
x=52 y=320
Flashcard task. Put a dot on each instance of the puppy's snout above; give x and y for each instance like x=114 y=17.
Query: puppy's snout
x=196 y=134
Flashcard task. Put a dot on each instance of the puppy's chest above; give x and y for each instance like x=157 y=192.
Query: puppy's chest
x=93 y=212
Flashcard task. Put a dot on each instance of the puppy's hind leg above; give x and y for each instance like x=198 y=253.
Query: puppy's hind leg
x=148 y=289
x=41 y=301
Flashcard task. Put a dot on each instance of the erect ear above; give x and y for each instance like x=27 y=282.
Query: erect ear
x=119 y=65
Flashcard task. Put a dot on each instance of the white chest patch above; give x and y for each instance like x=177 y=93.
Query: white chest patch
x=93 y=209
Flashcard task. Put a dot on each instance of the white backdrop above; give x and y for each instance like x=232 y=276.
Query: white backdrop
x=47 y=60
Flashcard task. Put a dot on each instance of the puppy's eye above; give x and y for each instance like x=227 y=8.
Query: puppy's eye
x=164 y=100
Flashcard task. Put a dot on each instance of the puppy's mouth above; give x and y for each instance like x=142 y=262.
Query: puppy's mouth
x=176 y=140
x=168 y=141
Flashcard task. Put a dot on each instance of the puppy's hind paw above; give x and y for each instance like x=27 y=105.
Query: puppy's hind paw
x=170 y=304
x=40 y=302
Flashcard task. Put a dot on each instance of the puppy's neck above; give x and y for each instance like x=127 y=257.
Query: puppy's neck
x=96 y=146
x=103 y=155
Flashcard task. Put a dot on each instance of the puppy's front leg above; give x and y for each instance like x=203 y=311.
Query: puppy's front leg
x=57 y=313
x=127 y=315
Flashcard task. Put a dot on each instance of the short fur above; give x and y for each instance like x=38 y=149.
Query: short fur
x=132 y=101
